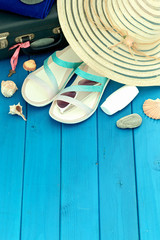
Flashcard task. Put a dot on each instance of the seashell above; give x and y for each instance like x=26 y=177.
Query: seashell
x=29 y=65
x=17 y=109
x=8 y=88
x=152 y=108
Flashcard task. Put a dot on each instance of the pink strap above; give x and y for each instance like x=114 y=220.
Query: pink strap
x=14 y=58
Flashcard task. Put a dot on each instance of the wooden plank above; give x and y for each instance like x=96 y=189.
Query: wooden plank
x=147 y=154
x=79 y=182
x=41 y=197
x=12 y=139
x=118 y=209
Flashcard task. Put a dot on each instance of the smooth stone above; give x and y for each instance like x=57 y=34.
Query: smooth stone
x=129 y=121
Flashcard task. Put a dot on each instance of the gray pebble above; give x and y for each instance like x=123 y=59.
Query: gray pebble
x=129 y=121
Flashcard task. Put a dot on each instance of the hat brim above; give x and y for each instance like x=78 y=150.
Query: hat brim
x=92 y=44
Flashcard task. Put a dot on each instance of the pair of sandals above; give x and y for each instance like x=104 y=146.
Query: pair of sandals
x=72 y=104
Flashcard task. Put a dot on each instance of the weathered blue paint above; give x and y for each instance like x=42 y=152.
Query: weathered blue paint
x=90 y=181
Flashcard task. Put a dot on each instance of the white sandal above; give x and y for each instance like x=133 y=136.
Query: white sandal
x=79 y=101
x=41 y=86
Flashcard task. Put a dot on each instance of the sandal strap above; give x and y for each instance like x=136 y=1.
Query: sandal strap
x=83 y=88
x=75 y=102
x=87 y=88
x=63 y=63
x=50 y=75
x=42 y=83
x=90 y=76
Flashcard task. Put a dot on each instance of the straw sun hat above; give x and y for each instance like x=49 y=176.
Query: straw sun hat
x=92 y=27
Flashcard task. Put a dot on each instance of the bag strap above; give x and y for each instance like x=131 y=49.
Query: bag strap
x=31 y=2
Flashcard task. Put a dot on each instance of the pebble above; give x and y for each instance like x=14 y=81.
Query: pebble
x=129 y=121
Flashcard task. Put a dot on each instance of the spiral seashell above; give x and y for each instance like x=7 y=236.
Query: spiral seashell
x=152 y=108
x=16 y=109
x=29 y=65
x=8 y=88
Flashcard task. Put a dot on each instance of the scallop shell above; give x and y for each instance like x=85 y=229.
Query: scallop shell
x=152 y=108
x=8 y=88
x=29 y=65
x=17 y=109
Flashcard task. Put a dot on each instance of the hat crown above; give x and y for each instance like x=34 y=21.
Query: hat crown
x=141 y=18
x=119 y=39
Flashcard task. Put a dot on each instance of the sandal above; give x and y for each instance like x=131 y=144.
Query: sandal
x=41 y=86
x=78 y=102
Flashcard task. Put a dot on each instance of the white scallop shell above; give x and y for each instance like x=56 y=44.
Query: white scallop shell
x=16 y=109
x=152 y=108
x=8 y=88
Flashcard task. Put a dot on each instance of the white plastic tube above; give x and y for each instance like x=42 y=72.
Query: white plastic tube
x=119 y=99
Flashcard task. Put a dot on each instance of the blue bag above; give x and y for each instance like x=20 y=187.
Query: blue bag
x=31 y=8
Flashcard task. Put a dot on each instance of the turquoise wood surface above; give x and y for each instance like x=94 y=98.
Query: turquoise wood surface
x=85 y=181
x=79 y=188
x=41 y=188
x=12 y=145
x=147 y=158
x=118 y=204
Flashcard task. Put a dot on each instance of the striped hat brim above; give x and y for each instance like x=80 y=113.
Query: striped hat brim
x=141 y=20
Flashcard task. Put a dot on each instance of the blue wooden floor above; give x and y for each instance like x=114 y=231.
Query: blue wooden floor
x=90 y=181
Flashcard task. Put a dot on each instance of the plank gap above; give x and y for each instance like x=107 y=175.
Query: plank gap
x=60 y=194
x=98 y=178
x=136 y=186
x=24 y=158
